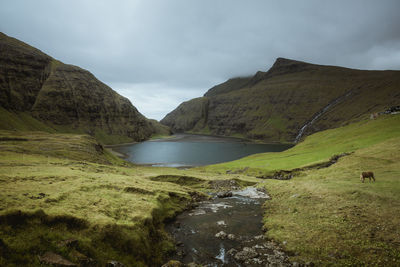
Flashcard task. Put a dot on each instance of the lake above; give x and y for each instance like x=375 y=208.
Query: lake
x=184 y=150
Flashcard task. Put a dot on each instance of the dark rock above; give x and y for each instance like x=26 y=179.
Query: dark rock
x=231 y=252
x=51 y=258
x=224 y=194
x=197 y=196
x=246 y=254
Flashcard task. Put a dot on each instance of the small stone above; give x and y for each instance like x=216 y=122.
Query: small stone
x=221 y=235
x=232 y=252
x=224 y=194
x=221 y=223
x=246 y=254
x=231 y=237
x=259 y=237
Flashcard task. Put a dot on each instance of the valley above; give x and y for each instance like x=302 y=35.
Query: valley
x=67 y=199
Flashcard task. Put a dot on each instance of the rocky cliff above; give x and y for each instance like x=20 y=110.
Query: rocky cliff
x=65 y=97
x=292 y=99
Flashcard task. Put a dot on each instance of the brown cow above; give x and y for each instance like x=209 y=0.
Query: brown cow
x=365 y=175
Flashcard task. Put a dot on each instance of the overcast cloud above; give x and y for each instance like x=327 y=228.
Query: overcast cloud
x=159 y=53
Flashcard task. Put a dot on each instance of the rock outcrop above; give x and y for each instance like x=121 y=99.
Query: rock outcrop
x=66 y=97
x=275 y=105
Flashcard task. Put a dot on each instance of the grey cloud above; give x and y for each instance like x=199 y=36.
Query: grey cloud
x=188 y=45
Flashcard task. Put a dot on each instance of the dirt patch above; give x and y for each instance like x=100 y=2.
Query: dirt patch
x=289 y=174
x=131 y=189
x=178 y=179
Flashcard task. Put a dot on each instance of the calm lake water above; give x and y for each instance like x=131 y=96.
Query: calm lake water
x=193 y=150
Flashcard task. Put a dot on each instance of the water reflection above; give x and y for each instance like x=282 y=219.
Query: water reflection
x=187 y=151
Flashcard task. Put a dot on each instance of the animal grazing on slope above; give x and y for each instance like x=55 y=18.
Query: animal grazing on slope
x=365 y=175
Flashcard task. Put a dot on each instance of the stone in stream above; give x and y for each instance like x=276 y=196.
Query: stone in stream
x=224 y=194
x=231 y=237
x=221 y=223
x=246 y=254
x=232 y=252
x=221 y=235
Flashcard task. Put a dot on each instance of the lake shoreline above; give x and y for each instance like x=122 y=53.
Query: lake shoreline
x=188 y=150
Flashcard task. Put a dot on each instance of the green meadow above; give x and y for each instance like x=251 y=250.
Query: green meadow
x=56 y=187
x=327 y=215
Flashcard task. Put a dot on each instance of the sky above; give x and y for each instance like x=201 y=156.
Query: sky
x=159 y=53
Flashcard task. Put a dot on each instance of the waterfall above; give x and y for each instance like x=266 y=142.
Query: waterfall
x=320 y=113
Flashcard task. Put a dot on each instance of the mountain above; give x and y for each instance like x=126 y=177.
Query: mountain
x=46 y=94
x=292 y=99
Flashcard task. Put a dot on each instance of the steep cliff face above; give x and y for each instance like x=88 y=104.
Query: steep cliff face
x=189 y=116
x=65 y=97
x=275 y=105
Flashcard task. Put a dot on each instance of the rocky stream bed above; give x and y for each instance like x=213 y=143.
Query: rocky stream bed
x=225 y=231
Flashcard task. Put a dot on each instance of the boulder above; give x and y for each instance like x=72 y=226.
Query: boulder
x=51 y=258
x=221 y=235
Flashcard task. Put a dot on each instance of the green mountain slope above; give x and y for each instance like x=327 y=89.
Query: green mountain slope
x=276 y=105
x=37 y=88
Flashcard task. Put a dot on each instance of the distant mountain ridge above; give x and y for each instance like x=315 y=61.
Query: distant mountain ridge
x=290 y=100
x=65 y=97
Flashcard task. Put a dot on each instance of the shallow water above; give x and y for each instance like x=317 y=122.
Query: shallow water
x=193 y=150
x=195 y=230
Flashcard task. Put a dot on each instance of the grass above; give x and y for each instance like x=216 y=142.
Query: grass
x=327 y=215
x=318 y=147
x=21 y=121
x=60 y=186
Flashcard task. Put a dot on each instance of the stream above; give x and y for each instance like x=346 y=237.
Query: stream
x=226 y=232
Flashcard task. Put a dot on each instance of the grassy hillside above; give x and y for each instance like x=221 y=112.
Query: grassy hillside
x=273 y=106
x=37 y=88
x=61 y=187
x=58 y=187
x=319 y=147
x=326 y=215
